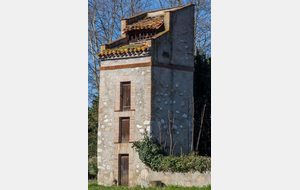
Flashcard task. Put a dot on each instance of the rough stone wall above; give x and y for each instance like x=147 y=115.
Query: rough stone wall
x=125 y=61
x=182 y=179
x=157 y=90
x=172 y=90
x=177 y=45
x=182 y=31
x=156 y=13
x=108 y=149
x=161 y=49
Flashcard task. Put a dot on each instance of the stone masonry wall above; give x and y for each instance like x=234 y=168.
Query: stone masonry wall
x=182 y=179
x=182 y=32
x=172 y=90
x=108 y=147
x=176 y=46
x=125 y=61
x=169 y=90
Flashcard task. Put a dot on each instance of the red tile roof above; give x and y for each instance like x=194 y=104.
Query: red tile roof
x=147 y=23
x=124 y=49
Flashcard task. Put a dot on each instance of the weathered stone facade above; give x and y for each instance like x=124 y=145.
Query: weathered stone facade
x=160 y=72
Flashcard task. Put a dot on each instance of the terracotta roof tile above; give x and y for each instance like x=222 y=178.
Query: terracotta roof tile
x=125 y=48
x=147 y=23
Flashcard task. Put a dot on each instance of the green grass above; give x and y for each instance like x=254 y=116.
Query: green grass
x=95 y=186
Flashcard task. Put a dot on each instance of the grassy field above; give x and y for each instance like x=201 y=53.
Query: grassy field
x=95 y=186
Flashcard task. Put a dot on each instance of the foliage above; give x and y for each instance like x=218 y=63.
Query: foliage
x=93 y=170
x=93 y=128
x=95 y=186
x=92 y=137
x=202 y=95
x=186 y=163
x=152 y=155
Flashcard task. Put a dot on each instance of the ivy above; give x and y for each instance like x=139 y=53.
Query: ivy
x=153 y=156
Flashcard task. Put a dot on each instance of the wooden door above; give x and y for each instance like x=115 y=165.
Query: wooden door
x=123 y=169
x=126 y=96
x=125 y=130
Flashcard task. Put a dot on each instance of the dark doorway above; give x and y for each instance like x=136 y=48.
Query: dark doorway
x=123 y=169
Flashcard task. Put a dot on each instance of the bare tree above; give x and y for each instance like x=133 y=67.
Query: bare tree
x=202 y=29
x=202 y=24
x=173 y=3
x=133 y=7
x=104 y=26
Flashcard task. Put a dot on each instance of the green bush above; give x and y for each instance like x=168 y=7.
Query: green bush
x=93 y=169
x=152 y=155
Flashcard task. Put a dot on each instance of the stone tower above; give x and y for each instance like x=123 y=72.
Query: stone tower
x=145 y=74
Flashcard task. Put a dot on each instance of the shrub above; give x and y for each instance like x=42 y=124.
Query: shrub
x=152 y=155
x=93 y=169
